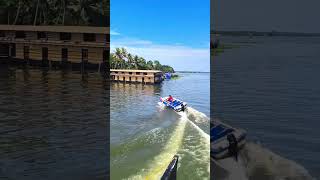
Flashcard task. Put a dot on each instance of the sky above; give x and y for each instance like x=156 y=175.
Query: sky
x=174 y=33
x=266 y=15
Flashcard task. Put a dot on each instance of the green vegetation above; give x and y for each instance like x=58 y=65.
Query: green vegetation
x=220 y=49
x=55 y=12
x=121 y=59
x=175 y=76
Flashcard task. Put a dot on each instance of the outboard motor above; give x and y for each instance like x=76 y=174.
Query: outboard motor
x=171 y=171
x=233 y=146
x=182 y=107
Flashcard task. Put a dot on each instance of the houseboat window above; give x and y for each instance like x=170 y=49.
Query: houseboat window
x=84 y=54
x=145 y=73
x=4 y=50
x=20 y=34
x=89 y=37
x=42 y=35
x=2 y=34
x=138 y=73
x=64 y=54
x=107 y=37
x=130 y=72
x=13 y=50
x=105 y=55
x=44 y=54
x=65 y=36
x=26 y=52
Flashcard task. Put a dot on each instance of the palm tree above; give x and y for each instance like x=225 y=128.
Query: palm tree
x=35 y=17
x=18 y=11
x=120 y=58
x=118 y=53
x=136 y=62
x=149 y=65
x=157 y=65
x=73 y=12
x=130 y=61
x=82 y=9
x=142 y=63
x=9 y=6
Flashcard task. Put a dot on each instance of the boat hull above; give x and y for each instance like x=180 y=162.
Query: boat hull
x=177 y=105
x=220 y=143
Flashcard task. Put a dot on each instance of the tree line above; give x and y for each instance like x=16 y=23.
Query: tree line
x=55 y=12
x=121 y=59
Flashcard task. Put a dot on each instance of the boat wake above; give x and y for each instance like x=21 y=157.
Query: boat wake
x=197 y=116
x=257 y=162
x=160 y=162
x=184 y=144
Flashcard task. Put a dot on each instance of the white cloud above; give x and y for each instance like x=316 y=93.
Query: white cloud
x=178 y=56
x=114 y=33
x=125 y=41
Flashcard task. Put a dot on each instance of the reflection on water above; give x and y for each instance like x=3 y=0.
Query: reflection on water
x=269 y=86
x=53 y=125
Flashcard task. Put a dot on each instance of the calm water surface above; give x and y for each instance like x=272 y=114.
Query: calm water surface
x=145 y=137
x=270 y=87
x=53 y=125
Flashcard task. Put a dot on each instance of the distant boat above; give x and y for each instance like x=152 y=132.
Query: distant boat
x=167 y=75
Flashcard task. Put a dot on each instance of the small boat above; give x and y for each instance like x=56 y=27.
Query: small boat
x=225 y=141
x=176 y=104
x=167 y=75
x=171 y=171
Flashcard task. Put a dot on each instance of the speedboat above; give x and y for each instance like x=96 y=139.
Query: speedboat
x=225 y=141
x=176 y=104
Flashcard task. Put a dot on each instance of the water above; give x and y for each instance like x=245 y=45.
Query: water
x=269 y=86
x=53 y=125
x=145 y=137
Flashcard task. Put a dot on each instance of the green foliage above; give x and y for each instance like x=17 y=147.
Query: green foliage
x=55 y=12
x=121 y=59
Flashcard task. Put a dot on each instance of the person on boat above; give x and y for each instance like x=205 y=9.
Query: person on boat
x=233 y=146
x=170 y=98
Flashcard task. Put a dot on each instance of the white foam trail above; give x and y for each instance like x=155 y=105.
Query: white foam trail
x=158 y=165
x=201 y=132
x=232 y=169
x=259 y=160
x=198 y=116
x=256 y=162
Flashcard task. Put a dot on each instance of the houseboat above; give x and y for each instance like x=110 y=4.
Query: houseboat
x=138 y=76
x=55 y=46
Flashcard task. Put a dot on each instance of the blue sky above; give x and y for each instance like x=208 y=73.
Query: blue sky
x=174 y=32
